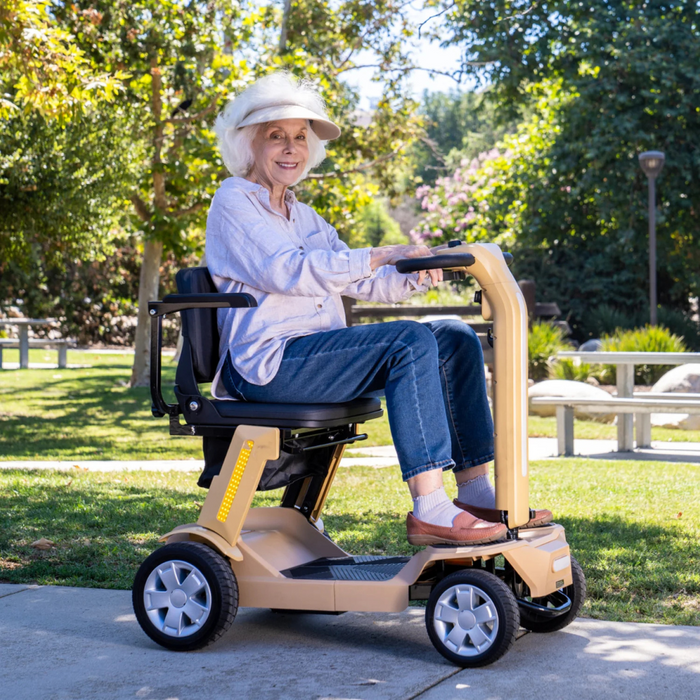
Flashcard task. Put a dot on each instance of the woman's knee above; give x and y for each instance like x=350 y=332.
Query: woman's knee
x=415 y=334
x=455 y=336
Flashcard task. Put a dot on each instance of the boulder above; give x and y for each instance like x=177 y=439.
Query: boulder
x=592 y=345
x=572 y=390
x=684 y=379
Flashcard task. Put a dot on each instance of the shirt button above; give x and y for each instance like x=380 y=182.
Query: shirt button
x=319 y=306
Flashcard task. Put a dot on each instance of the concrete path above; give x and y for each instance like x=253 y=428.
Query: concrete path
x=61 y=643
x=380 y=457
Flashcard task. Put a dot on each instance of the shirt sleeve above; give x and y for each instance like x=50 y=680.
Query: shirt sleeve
x=242 y=246
x=386 y=285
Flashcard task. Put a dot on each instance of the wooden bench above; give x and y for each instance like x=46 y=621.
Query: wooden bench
x=61 y=344
x=642 y=405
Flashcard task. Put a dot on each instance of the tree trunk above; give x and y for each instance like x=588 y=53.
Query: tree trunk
x=152 y=249
x=285 y=24
x=148 y=291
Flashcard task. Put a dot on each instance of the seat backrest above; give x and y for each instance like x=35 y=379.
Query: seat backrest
x=199 y=326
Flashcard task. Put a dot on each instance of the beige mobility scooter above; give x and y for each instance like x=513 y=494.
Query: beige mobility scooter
x=186 y=593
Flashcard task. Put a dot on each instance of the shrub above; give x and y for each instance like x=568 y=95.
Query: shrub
x=544 y=341
x=605 y=319
x=647 y=339
x=681 y=324
x=567 y=368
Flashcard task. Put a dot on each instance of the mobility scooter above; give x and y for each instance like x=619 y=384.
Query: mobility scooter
x=186 y=593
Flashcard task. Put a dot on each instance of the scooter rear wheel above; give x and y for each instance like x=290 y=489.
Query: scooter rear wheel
x=185 y=596
x=472 y=618
x=576 y=592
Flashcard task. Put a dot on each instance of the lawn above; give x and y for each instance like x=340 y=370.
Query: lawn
x=634 y=526
x=91 y=414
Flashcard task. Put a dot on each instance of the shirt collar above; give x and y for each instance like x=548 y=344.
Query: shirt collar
x=263 y=194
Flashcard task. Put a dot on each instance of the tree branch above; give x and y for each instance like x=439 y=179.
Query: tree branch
x=194 y=117
x=188 y=210
x=141 y=208
x=447 y=9
x=519 y=14
x=359 y=168
x=432 y=145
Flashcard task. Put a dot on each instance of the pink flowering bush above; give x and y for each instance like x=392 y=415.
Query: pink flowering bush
x=458 y=205
x=485 y=199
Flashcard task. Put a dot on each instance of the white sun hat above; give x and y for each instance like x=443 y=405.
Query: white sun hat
x=324 y=128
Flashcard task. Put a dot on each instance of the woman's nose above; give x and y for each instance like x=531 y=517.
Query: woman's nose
x=290 y=146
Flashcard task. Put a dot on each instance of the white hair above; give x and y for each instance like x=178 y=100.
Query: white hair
x=236 y=144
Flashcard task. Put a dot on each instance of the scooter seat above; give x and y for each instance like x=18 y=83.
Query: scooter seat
x=298 y=415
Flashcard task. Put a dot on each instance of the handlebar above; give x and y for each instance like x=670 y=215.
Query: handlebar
x=447 y=261
x=435 y=262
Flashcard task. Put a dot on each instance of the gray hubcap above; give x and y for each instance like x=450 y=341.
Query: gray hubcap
x=466 y=620
x=177 y=598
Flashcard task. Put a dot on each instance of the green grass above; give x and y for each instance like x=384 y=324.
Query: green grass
x=90 y=414
x=642 y=561
x=592 y=430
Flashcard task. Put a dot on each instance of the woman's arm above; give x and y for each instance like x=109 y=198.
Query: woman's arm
x=243 y=247
x=387 y=285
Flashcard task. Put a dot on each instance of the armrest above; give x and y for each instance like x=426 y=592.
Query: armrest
x=180 y=302
x=171 y=304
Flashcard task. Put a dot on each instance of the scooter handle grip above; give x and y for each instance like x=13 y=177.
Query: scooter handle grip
x=435 y=262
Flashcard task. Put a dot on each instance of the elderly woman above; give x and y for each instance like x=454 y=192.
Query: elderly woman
x=295 y=347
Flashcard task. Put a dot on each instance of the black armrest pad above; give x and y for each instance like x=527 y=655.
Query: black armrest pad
x=179 y=302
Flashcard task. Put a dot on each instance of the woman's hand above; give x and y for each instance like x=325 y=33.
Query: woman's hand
x=389 y=254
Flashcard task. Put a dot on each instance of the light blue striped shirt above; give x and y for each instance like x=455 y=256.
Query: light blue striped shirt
x=296 y=269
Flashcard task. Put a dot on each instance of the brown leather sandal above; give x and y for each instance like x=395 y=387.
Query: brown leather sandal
x=492 y=515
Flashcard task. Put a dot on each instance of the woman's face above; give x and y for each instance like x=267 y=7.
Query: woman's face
x=280 y=152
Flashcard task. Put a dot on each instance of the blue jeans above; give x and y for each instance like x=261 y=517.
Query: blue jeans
x=432 y=375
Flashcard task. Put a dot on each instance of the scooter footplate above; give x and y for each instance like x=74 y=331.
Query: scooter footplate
x=365 y=568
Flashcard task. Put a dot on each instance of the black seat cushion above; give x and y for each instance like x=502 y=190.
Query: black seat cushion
x=298 y=415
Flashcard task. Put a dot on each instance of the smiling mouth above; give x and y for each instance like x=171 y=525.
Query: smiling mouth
x=287 y=166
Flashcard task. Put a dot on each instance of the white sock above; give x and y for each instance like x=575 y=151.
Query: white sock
x=435 y=508
x=477 y=492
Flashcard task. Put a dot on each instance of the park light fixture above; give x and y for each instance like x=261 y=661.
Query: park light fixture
x=652 y=163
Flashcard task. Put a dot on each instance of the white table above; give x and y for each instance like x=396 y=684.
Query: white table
x=625 y=363
x=23 y=325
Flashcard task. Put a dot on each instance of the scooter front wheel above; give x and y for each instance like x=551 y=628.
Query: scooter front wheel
x=472 y=618
x=185 y=596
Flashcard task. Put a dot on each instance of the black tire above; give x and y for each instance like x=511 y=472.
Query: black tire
x=535 y=622
x=213 y=596
x=485 y=641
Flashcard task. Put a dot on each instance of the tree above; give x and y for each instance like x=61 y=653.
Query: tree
x=63 y=190
x=180 y=58
x=610 y=79
x=43 y=69
x=459 y=126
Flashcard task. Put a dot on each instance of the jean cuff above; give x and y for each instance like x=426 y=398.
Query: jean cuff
x=469 y=463
x=444 y=465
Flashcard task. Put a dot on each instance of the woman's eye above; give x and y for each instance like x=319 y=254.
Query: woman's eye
x=302 y=137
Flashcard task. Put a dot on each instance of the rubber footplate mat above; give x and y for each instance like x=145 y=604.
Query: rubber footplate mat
x=364 y=568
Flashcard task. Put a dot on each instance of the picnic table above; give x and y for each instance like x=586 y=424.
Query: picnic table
x=23 y=325
x=625 y=399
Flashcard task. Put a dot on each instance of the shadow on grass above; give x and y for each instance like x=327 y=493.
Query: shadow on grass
x=90 y=418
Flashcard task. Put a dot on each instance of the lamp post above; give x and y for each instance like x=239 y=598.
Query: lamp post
x=652 y=163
